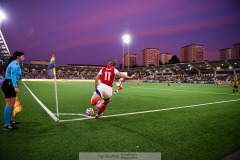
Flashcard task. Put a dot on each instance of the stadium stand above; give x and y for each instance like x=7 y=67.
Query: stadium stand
x=198 y=72
x=194 y=72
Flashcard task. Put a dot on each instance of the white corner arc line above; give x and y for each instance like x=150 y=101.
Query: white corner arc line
x=42 y=105
x=150 y=111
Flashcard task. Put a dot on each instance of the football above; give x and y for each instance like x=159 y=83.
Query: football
x=89 y=111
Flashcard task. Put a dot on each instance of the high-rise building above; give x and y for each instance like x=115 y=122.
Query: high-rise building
x=150 y=56
x=236 y=51
x=165 y=57
x=225 y=53
x=132 y=60
x=192 y=53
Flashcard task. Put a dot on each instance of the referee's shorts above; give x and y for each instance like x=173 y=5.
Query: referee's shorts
x=8 y=88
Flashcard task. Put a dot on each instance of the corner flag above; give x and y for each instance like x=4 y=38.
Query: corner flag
x=51 y=67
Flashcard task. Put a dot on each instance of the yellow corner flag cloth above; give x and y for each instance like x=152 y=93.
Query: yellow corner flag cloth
x=17 y=107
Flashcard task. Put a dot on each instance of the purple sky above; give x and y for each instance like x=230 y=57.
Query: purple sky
x=90 y=31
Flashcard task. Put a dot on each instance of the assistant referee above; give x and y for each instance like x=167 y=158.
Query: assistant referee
x=10 y=87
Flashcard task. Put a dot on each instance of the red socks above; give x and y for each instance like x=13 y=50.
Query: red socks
x=101 y=109
x=120 y=88
x=94 y=101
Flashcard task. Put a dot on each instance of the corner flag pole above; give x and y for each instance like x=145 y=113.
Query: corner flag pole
x=55 y=82
x=52 y=72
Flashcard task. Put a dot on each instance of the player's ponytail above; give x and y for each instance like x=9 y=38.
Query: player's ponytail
x=15 y=55
x=10 y=60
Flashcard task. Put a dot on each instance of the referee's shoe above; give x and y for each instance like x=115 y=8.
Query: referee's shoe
x=10 y=127
x=13 y=121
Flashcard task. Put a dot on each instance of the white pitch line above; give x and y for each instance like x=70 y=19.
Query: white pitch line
x=42 y=105
x=72 y=114
x=182 y=90
x=150 y=111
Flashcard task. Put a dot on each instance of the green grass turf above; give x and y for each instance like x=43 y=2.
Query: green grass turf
x=203 y=132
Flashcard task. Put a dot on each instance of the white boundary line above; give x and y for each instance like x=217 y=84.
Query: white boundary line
x=72 y=114
x=181 y=90
x=42 y=105
x=150 y=111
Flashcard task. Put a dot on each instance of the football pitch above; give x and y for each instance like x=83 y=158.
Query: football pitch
x=191 y=121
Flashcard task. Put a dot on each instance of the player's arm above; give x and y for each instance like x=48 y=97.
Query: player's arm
x=125 y=76
x=96 y=81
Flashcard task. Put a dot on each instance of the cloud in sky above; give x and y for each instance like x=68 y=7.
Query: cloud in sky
x=77 y=31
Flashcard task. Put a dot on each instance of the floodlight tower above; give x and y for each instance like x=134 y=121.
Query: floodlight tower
x=4 y=51
x=126 y=39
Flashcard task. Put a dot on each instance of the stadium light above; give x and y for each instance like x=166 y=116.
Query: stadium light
x=2 y=17
x=126 y=39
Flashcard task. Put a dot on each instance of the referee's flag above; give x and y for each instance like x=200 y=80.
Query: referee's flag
x=17 y=107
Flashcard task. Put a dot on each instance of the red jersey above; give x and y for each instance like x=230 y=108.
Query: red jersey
x=107 y=75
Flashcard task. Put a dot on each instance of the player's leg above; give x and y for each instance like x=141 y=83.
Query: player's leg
x=117 y=89
x=120 y=87
x=101 y=106
x=115 y=92
x=233 y=89
x=95 y=97
x=95 y=100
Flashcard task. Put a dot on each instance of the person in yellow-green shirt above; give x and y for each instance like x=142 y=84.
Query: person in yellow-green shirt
x=235 y=85
x=168 y=80
x=217 y=82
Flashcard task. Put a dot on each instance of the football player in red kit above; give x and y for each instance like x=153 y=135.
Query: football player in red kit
x=179 y=81
x=119 y=85
x=104 y=89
